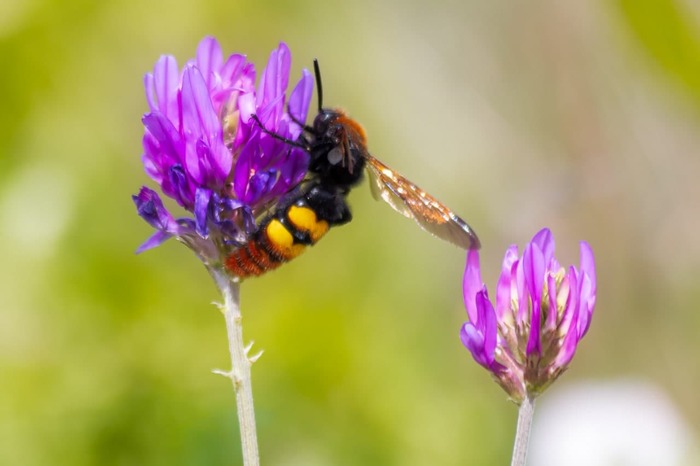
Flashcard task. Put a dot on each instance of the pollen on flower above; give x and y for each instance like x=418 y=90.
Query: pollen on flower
x=559 y=275
x=230 y=126
x=562 y=296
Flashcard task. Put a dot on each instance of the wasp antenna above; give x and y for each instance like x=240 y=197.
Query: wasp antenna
x=277 y=136
x=319 y=86
x=299 y=122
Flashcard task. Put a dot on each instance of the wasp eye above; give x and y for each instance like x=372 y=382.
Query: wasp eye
x=335 y=156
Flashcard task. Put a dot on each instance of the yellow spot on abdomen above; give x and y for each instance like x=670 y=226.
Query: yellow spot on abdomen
x=304 y=219
x=282 y=241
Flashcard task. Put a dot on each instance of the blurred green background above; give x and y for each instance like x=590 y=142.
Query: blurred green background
x=580 y=116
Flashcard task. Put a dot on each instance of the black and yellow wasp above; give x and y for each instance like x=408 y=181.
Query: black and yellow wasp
x=337 y=146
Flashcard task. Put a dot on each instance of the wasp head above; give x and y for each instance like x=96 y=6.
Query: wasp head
x=337 y=147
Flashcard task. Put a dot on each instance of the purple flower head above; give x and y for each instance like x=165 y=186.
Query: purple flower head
x=205 y=150
x=541 y=313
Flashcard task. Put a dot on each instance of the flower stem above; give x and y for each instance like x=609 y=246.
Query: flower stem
x=240 y=363
x=522 y=433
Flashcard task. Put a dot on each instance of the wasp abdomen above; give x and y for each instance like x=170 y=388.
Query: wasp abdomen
x=281 y=237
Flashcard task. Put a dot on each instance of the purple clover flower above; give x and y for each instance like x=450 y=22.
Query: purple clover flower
x=205 y=151
x=541 y=313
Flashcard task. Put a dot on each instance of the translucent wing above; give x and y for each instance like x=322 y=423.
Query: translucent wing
x=411 y=201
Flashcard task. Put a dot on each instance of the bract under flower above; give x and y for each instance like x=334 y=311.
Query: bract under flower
x=206 y=152
x=542 y=312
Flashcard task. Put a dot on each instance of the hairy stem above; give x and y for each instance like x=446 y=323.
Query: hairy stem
x=522 y=433
x=240 y=367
